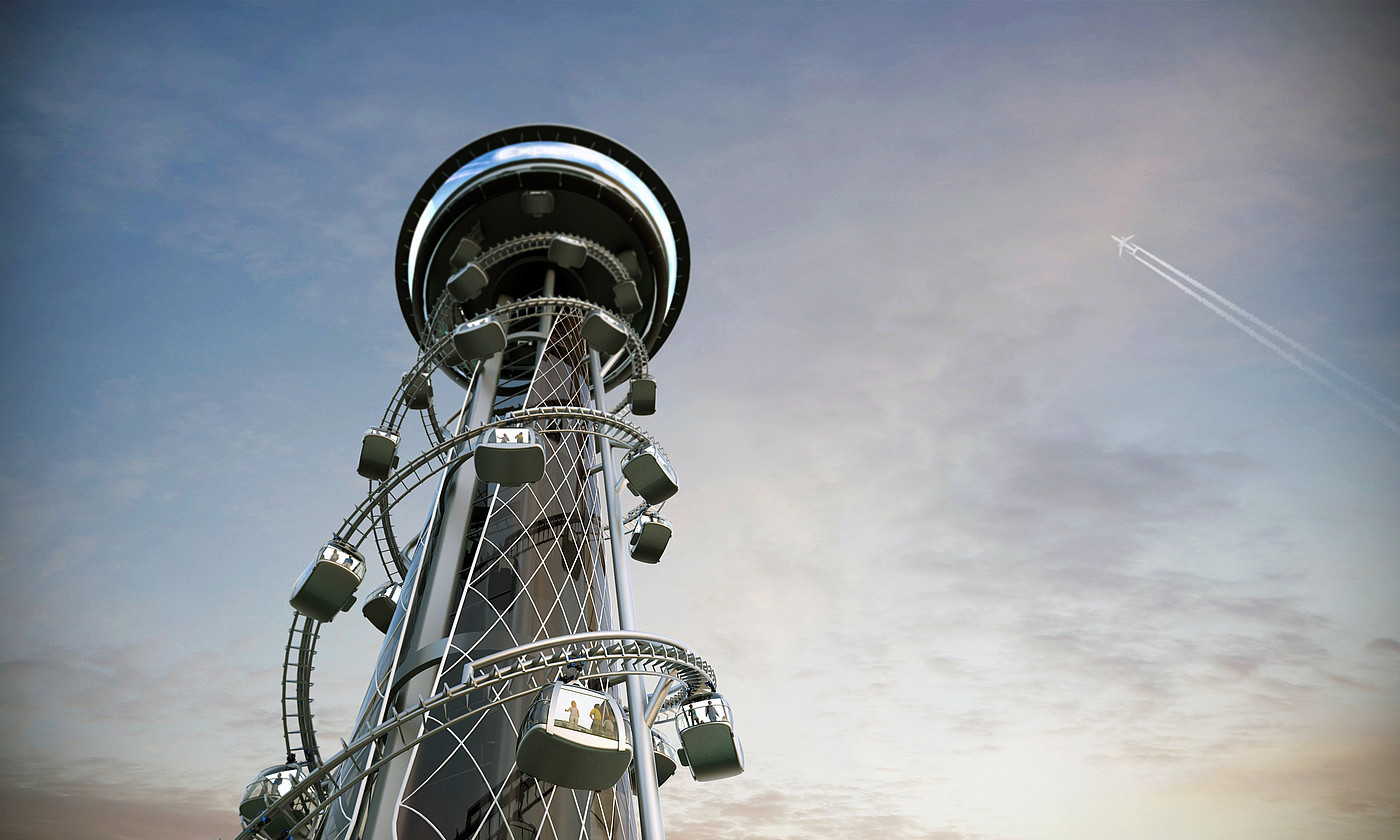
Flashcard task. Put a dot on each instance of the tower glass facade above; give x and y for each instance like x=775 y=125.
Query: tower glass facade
x=531 y=568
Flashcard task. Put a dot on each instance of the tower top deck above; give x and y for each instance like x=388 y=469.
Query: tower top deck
x=546 y=179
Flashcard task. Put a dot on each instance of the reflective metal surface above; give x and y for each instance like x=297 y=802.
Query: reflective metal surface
x=649 y=537
x=650 y=476
x=510 y=162
x=266 y=788
x=573 y=737
x=510 y=455
x=328 y=585
x=377 y=454
x=707 y=734
x=542 y=178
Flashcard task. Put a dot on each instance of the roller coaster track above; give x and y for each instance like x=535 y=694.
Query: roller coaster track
x=297 y=664
x=371 y=517
x=513 y=316
x=619 y=654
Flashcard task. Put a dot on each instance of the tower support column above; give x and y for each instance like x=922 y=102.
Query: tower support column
x=643 y=761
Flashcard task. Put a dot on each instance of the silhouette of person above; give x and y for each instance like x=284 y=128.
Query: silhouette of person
x=710 y=711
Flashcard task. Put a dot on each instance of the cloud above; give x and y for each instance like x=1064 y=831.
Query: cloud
x=832 y=810
x=1383 y=646
x=1346 y=776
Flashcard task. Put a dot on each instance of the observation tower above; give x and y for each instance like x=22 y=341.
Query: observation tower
x=539 y=268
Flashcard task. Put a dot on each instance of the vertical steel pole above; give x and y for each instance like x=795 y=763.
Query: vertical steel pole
x=644 y=762
x=432 y=606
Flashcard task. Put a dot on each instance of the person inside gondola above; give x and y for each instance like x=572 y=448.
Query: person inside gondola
x=573 y=714
x=596 y=713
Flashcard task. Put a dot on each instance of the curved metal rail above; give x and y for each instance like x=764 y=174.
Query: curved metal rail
x=515 y=247
x=372 y=515
x=383 y=525
x=436 y=354
x=644 y=654
x=364 y=521
x=388 y=547
x=405 y=479
x=296 y=690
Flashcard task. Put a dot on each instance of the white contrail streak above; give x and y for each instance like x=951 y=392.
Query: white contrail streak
x=1245 y=314
x=1349 y=396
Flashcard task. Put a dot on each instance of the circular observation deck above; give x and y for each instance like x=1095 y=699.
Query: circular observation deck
x=545 y=179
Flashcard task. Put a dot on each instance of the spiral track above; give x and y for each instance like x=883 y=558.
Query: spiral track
x=611 y=655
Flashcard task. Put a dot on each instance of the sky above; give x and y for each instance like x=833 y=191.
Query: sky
x=989 y=533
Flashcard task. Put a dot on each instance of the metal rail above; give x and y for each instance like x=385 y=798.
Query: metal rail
x=364 y=521
x=296 y=690
x=437 y=353
x=644 y=654
x=520 y=245
x=591 y=421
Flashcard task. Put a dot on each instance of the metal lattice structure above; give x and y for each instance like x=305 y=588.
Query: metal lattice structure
x=566 y=255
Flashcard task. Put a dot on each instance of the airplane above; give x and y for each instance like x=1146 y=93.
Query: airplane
x=1123 y=243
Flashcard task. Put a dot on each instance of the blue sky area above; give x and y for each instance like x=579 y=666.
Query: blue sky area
x=989 y=533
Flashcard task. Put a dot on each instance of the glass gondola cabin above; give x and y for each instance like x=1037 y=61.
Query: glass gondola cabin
x=650 y=537
x=604 y=333
x=378 y=454
x=665 y=756
x=328 y=585
x=707 y=734
x=650 y=475
x=478 y=339
x=574 y=738
x=417 y=390
x=510 y=455
x=266 y=788
x=381 y=605
x=642 y=394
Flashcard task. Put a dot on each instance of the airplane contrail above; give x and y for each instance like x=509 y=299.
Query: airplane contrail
x=1137 y=251
x=1243 y=313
